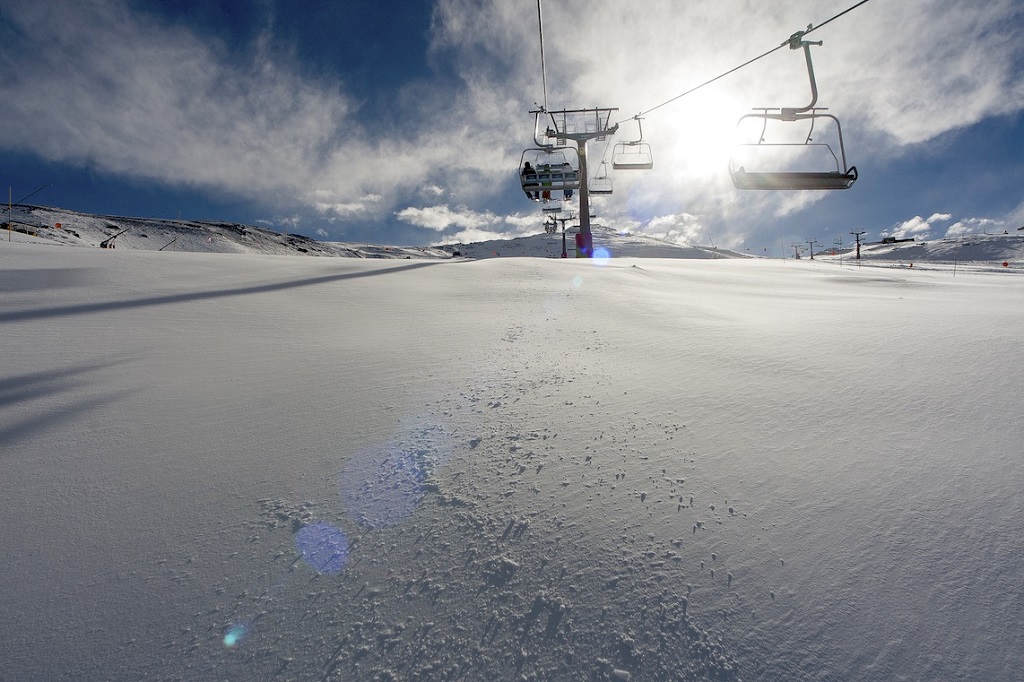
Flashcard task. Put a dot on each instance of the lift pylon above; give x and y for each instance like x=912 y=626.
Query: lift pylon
x=556 y=129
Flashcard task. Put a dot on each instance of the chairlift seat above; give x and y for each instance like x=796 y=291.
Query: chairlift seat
x=551 y=179
x=842 y=177
x=633 y=165
x=632 y=156
x=788 y=180
x=545 y=177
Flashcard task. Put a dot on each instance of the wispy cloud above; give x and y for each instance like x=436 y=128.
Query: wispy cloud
x=116 y=89
x=463 y=225
x=682 y=228
x=917 y=226
x=971 y=226
x=443 y=217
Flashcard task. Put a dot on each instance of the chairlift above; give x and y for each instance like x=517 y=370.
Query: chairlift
x=547 y=170
x=634 y=155
x=838 y=176
x=601 y=183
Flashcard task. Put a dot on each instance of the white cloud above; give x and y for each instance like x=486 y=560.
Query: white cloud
x=468 y=225
x=433 y=191
x=972 y=226
x=365 y=205
x=682 y=228
x=474 y=234
x=136 y=97
x=443 y=217
x=915 y=227
x=918 y=226
x=120 y=91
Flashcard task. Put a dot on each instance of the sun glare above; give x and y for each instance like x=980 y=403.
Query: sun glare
x=700 y=132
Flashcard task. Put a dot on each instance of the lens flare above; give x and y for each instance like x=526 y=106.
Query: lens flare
x=383 y=485
x=235 y=634
x=601 y=255
x=323 y=547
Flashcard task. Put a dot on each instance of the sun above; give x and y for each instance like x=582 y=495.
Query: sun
x=698 y=133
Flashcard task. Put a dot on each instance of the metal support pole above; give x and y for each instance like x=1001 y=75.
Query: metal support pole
x=811 y=243
x=856 y=236
x=586 y=239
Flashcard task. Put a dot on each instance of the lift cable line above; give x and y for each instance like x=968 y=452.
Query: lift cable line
x=543 y=67
x=745 y=64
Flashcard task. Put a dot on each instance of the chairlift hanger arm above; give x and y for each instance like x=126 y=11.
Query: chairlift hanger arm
x=797 y=42
x=640 y=127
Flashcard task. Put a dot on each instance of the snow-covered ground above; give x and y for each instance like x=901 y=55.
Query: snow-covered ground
x=246 y=467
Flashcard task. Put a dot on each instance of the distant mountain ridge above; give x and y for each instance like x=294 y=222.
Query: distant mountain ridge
x=160 y=234
x=152 y=234
x=41 y=223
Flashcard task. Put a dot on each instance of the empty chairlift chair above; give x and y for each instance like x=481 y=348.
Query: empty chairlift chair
x=838 y=174
x=634 y=155
x=601 y=183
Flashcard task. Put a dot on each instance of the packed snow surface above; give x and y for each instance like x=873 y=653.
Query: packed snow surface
x=246 y=467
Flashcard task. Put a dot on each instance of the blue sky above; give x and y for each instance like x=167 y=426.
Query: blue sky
x=403 y=121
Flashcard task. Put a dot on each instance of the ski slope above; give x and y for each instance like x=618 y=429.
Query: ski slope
x=240 y=466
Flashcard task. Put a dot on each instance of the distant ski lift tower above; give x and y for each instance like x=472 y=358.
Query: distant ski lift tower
x=556 y=128
x=856 y=235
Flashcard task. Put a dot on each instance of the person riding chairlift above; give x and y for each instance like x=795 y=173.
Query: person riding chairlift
x=529 y=172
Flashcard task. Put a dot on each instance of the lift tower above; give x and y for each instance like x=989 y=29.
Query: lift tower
x=580 y=126
x=856 y=236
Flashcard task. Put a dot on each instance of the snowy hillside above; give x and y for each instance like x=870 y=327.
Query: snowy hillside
x=608 y=243
x=976 y=251
x=248 y=467
x=155 y=234
x=993 y=249
x=38 y=224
